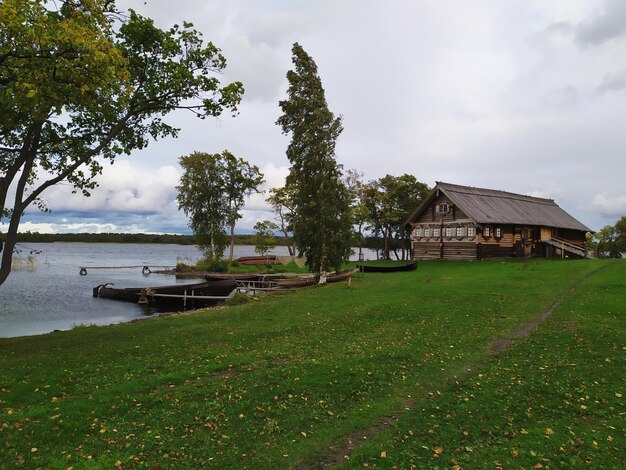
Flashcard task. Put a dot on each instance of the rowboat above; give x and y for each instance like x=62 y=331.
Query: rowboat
x=388 y=269
x=311 y=279
x=234 y=277
x=301 y=281
x=189 y=295
x=341 y=275
x=268 y=259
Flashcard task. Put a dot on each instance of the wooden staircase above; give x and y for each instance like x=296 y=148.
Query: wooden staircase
x=567 y=246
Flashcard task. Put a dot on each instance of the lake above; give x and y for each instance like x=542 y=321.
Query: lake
x=47 y=293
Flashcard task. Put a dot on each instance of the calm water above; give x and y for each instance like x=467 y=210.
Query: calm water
x=52 y=295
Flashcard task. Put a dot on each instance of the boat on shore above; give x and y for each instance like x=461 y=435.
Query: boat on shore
x=341 y=275
x=267 y=259
x=412 y=266
x=311 y=279
x=186 y=295
x=234 y=277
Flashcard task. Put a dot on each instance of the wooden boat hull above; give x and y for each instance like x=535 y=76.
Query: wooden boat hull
x=270 y=259
x=235 y=277
x=298 y=281
x=388 y=269
x=312 y=280
x=341 y=276
x=147 y=294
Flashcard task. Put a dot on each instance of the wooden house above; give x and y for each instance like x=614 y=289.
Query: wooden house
x=463 y=222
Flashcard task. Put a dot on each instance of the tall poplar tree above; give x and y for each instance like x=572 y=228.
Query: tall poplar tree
x=322 y=228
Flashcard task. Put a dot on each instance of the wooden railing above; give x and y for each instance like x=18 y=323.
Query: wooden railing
x=568 y=246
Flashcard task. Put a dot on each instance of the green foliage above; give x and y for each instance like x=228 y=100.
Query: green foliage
x=211 y=192
x=264 y=238
x=240 y=180
x=322 y=229
x=238 y=298
x=214 y=265
x=80 y=82
x=282 y=201
x=610 y=242
x=388 y=202
x=278 y=381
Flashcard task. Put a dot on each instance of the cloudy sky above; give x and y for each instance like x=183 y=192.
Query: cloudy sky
x=527 y=96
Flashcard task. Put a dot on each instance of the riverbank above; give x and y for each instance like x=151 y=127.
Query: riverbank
x=292 y=379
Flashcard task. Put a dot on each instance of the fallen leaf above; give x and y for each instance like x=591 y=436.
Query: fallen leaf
x=439 y=450
x=383 y=454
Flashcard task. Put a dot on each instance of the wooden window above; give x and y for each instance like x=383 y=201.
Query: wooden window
x=470 y=231
x=448 y=232
x=427 y=232
x=498 y=232
x=459 y=232
x=436 y=232
x=486 y=232
x=418 y=232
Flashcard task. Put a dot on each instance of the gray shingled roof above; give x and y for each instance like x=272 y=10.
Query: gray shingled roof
x=486 y=206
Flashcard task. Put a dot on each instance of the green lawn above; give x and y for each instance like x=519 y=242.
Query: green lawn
x=284 y=380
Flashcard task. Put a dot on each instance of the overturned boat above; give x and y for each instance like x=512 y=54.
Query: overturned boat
x=394 y=268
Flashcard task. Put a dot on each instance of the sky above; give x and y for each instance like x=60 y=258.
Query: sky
x=525 y=96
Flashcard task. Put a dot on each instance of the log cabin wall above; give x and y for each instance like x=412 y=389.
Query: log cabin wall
x=443 y=235
x=499 y=241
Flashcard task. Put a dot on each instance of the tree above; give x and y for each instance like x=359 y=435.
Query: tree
x=240 y=180
x=322 y=229
x=281 y=200
x=389 y=201
x=264 y=238
x=357 y=190
x=212 y=191
x=81 y=84
x=201 y=197
x=610 y=241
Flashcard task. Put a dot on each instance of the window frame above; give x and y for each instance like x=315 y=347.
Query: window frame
x=460 y=232
x=487 y=232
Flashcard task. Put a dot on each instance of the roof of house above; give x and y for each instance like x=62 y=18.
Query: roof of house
x=485 y=206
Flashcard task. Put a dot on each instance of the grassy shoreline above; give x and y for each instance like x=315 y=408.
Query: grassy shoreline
x=282 y=381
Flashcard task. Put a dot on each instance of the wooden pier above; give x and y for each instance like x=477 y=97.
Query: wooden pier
x=145 y=269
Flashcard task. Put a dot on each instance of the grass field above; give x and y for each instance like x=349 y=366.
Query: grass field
x=401 y=370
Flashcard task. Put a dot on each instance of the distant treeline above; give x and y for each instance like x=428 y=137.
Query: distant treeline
x=242 y=239
x=36 y=237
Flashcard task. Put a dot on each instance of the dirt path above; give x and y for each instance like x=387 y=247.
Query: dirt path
x=340 y=452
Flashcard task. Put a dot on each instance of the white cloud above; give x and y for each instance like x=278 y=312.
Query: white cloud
x=123 y=187
x=609 y=205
